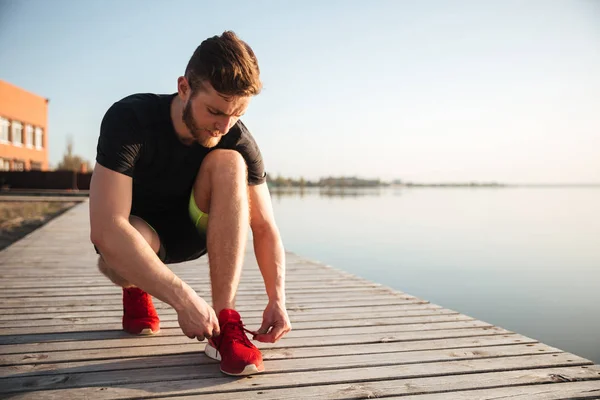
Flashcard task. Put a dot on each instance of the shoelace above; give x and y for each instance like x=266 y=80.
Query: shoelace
x=236 y=332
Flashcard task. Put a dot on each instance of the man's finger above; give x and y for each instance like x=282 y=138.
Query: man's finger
x=271 y=336
x=283 y=332
x=264 y=337
x=211 y=332
x=264 y=328
x=276 y=333
x=200 y=338
x=261 y=337
x=216 y=330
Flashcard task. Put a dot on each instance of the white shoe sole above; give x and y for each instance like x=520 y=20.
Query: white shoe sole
x=213 y=353
x=148 y=331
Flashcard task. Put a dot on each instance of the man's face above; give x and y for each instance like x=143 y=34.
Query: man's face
x=209 y=116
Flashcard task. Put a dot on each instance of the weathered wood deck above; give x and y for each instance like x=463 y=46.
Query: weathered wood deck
x=60 y=337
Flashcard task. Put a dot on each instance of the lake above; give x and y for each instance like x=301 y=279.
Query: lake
x=523 y=258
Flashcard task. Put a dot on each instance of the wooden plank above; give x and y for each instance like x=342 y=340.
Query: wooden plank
x=194 y=359
x=198 y=269
x=74 y=264
x=258 y=306
x=313 y=376
x=112 y=291
x=116 y=292
x=324 y=314
x=29 y=334
x=12 y=197
x=374 y=304
x=103 y=283
x=330 y=332
x=167 y=325
x=164 y=309
x=169 y=314
x=86 y=269
x=457 y=347
x=191 y=275
x=93 y=340
x=525 y=385
x=250 y=302
x=571 y=390
x=73 y=267
x=64 y=256
x=115 y=299
x=195 y=274
x=309 y=295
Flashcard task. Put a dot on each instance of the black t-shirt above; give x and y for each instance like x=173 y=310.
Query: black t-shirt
x=137 y=138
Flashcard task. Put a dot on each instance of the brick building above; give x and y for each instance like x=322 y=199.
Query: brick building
x=23 y=129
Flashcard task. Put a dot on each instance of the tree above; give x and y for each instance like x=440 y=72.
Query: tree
x=72 y=162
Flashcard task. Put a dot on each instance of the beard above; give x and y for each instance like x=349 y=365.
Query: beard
x=199 y=134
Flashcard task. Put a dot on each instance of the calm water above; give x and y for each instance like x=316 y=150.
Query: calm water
x=526 y=259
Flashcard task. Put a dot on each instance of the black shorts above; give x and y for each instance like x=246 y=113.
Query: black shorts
x=180 y=240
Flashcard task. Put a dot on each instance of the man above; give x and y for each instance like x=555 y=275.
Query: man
x=178 y=176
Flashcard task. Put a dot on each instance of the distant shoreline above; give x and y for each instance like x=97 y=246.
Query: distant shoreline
x=438 y=185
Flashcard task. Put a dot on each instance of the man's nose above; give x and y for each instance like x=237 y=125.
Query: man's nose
x=223 y=124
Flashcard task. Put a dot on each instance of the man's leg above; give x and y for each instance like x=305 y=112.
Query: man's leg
x=151 y=237
x=221 y=191
x=139 y=314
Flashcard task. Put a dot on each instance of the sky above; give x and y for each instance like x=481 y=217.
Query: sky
x=422 y=91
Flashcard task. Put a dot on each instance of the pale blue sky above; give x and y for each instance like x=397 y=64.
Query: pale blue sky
x=425 y=91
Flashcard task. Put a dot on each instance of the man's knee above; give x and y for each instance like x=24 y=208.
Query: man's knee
x=224 y=161
x=220 y=167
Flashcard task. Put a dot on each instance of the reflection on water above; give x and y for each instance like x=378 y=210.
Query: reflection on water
x=526 y=259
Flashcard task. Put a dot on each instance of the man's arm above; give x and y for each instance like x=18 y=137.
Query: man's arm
x=121 y=245
x=268 y=246
x=270 y=256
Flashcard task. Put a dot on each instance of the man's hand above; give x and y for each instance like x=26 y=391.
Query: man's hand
x=197 y=319
x=276 y=323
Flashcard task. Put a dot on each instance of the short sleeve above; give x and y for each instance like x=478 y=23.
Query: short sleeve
x=119 y=144
x=248 y=148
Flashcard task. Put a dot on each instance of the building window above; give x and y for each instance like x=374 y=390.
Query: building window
x=17 y=133
x=18 y=165
x=4 y=165
x=3 y=130
x=39 y=138
x=28 y=135
x=35 y=166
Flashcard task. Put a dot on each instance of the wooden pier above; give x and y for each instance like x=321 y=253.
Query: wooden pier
x=61 y=338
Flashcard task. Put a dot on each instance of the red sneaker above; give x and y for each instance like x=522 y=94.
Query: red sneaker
x=232 y=347
x=139 y=315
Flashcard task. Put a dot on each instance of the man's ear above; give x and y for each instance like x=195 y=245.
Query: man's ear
x=183 y=87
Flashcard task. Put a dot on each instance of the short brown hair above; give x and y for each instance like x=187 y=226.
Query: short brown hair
x=228 y=63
